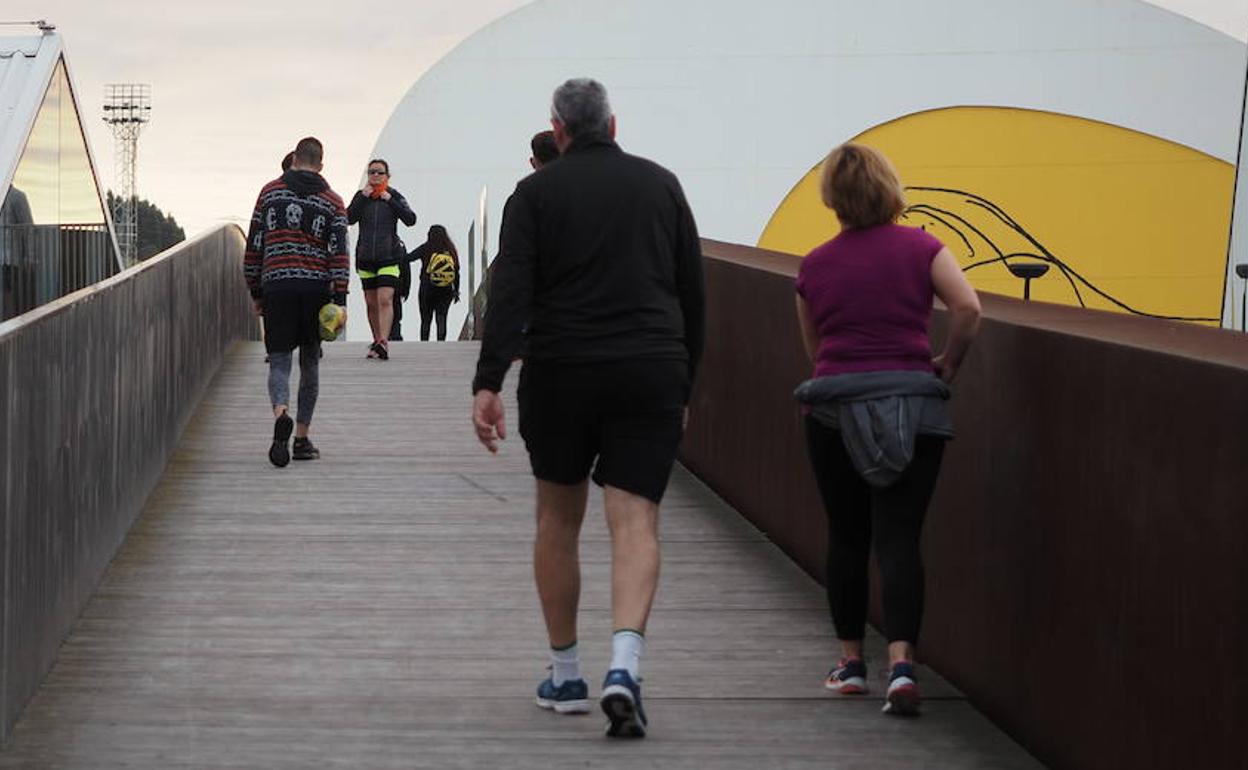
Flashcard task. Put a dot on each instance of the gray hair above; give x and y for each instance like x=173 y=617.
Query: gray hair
x=581 y=106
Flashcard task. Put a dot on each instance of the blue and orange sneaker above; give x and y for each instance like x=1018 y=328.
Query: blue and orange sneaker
x=903 y=692
x=621 y=702
x=571 y=697
x=848 y=678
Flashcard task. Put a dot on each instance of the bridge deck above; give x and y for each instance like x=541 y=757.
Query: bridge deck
x=376 y=609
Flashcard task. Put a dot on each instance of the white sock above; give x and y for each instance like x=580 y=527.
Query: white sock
x=626 y=648
x=565 y=664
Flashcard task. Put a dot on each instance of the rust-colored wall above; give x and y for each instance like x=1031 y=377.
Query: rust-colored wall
x=1087 y=547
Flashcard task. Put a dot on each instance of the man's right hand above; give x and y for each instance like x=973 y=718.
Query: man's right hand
x=257 y=304
x=367 y=189
x=487 y=419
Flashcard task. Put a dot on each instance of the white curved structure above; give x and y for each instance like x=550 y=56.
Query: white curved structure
x=741 y=99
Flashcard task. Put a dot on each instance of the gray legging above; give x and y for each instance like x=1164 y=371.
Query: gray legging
x=309 y=380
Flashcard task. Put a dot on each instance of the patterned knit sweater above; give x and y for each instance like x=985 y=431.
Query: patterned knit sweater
x=298 y=239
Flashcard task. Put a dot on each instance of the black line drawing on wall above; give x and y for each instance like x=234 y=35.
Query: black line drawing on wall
x=945 y=213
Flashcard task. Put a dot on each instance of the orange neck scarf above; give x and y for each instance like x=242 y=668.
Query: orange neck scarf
x=379 y=188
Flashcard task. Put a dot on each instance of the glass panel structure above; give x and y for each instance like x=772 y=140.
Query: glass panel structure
x=53 y=235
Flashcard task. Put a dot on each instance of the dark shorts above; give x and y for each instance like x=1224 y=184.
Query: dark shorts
x=290 y=320
x=625 y=415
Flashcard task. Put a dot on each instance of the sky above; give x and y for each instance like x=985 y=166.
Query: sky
x=235 y=84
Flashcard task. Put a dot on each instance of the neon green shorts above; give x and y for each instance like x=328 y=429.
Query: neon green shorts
x=384 y=276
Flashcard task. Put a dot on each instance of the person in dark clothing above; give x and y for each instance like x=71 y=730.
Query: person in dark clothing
x=401 y=293
x=439 y=279
x=544 y=149
x=296 y=260
x=378 y=209
x=599 y=275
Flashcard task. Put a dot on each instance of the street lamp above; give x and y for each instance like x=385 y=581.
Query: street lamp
x=1027 y=271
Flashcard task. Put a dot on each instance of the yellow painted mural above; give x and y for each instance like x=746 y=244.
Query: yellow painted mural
x=1126 y=221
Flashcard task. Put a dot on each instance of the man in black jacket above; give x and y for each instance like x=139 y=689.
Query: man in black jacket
x=599 y=275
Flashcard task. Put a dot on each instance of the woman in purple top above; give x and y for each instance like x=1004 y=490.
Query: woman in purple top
x=864 y=304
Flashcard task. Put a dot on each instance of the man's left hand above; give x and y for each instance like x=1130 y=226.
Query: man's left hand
x=385 y=195
x=487 y=419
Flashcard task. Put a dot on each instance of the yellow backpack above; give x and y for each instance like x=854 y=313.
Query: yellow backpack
x=441 y=270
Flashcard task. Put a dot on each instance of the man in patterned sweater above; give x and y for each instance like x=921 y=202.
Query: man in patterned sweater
x=296 y=261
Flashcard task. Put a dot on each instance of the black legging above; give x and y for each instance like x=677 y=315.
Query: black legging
x=396 y=326
x=433 y=302
x=857 y=512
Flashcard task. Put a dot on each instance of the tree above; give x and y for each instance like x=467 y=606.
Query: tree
x=157 y=230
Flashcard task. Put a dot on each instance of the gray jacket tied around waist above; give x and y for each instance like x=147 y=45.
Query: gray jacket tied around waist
x=879 y=414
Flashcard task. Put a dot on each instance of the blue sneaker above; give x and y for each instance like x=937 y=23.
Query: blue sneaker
x=621 y=702
x=571 y=697
x=848 y=678
x=903 y=692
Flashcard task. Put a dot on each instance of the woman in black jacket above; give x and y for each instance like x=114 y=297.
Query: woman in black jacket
x=439 y=279
x=378 y=209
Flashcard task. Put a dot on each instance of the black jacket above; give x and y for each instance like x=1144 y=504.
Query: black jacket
x=377 y=243
x=599 y=260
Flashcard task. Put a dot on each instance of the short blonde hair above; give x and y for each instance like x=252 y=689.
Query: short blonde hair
x=861 y=186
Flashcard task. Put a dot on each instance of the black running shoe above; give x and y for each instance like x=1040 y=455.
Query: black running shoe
x=279 y=453
x=304 y=450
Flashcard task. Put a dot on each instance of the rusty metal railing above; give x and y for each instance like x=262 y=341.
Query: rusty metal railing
x=1085 y=546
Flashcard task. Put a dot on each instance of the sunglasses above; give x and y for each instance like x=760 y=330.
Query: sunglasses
x=376 y=171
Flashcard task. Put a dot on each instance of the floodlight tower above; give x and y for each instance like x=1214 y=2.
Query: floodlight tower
x=127 y=108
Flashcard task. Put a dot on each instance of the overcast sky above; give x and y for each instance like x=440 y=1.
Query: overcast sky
x=235 y=84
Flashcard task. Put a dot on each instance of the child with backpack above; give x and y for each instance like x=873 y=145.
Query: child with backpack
x=439 y=280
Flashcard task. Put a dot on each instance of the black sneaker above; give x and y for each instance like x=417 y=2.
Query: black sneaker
x=279 y=453
x=304 y=450
x=382 y=350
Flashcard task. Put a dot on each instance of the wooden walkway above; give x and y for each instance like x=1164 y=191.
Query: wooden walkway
x=375 y=609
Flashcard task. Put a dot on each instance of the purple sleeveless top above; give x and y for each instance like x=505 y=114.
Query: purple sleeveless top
x=870 y=294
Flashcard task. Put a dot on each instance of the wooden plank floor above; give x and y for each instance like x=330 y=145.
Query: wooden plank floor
x=376 y=609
